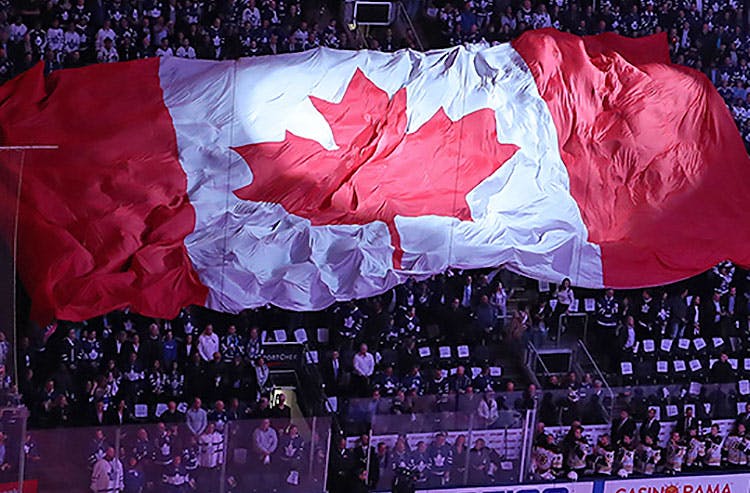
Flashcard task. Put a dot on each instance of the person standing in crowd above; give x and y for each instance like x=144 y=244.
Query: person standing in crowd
x=265 y=442
x=651 y=426
x=208 y=343
x=107 y=475
x=622 y=426
x=196 y=418
x=565 y=298
x=607 y=314
x=364 y=366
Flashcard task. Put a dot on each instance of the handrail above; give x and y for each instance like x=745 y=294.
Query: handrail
x=402 y=10
x=535 y=354
x=599 y=372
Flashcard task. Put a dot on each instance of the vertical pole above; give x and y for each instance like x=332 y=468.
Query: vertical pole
x=327 y=462
x=369 y=453
x=14 y=254
x=22 y=452
x=225 y=454
x=313 y=445
x=468 y=449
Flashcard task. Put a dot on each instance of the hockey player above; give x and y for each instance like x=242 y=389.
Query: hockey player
x=675 y=453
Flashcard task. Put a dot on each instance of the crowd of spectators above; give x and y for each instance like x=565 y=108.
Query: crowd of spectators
x=97 y=372
x=72 y=33
x=709 y=36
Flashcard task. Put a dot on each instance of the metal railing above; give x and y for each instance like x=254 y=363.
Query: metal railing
x=582 y=349
x=402 y=14
x=533 y=358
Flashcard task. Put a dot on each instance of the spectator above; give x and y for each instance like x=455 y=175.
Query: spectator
x=364 y=366
x=488 y=411
x=651 y=426
x=108 y=473
x=265 y=442
x=208 y=343
x=196 y=418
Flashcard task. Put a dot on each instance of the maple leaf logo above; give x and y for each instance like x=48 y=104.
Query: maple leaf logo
x=378 y=171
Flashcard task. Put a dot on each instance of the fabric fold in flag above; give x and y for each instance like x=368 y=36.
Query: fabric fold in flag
x=304 y=179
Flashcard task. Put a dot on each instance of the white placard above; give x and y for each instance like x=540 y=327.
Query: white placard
x=182 y=407
x=279 y=335
x=672 y=411
x=264 y=336
x=649 y=346
x=626 y=367
x=300 y=335
x=695 y=388
x=444 y=373
x=679 y=365
x=312 y=357
x=454 y=371
x=496 y=371
x=589 y=304
x=543 y=286
x=666 y=345
x=699 y=343
x=463 y=351
x=141 y=410
x=733 y=363
x=718 y=341
x=424 y=352
x=475 y=370
x=747 y=364
x=322 y=334
x=662 y=367
x=444 y=352
x=553 y=303
x=711 y=362
x=575 y=305
x=707 y=407
x=741 y=407
x=683 y=343
x=333 y=404
x=695 y=365
x=161 y=408
x=744 y=387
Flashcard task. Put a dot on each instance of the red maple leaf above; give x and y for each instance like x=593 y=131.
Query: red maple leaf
x=378 y=171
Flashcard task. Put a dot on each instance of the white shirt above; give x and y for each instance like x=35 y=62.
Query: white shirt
x=103 y=34
x=17 y=32
x=488 y=411
x=630 y=342
x=565 y=296
x=188 y=52
x=211 y=449
x=364 y=364
x=161 y=52
x=55 y=38
x=107 y=476
x=108 y=55
x=72 y=41
x=251 y=15
x=208 y=345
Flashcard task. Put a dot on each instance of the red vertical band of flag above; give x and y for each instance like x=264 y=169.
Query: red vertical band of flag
x=656 y=164
x=103 y=219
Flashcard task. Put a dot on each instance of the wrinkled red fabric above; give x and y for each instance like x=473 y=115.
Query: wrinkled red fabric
x=656 y=164
x=103 y=219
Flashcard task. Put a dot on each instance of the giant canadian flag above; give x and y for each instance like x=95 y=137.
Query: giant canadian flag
x=307 y=178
